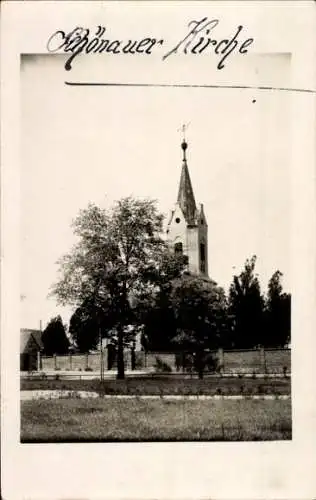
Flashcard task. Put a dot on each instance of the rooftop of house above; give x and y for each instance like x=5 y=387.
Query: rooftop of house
x=29 y=337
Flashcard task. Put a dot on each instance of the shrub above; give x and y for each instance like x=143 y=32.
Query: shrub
x=161 y=366
x=139 y=361
x=88 y=369
x=185 y=360
x=211 y=363
x=219 y=368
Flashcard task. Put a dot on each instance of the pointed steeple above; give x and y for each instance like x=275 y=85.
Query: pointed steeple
x=187 y=230
x=186 y=198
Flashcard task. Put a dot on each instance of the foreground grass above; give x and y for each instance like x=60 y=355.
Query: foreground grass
x=154 y=420
x=168 y=385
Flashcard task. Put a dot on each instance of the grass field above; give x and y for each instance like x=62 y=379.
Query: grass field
x=168 y=385
x=154 y=420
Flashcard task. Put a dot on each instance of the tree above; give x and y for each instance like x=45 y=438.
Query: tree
x=115 y=265
x=159 y=318
x=246 y=307
x=54 y=337
x=200 y=311
x=278 y=314
x=160 y=325
x=89 y=322
x=84 y=327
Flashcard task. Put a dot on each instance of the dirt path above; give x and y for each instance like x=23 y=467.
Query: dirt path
x=63 y=394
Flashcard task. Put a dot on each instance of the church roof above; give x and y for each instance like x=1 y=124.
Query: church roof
x=186 y=198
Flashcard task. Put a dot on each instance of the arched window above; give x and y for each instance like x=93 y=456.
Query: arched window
x=202 y=251
x=178 y=248
x=202 y=257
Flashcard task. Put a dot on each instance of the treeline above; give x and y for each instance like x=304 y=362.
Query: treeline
x=246 y=318
x=123 y=280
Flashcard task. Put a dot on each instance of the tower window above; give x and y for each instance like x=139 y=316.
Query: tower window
x=178 y=248
x=202 y=257
x=177 y=220
x=202 y=252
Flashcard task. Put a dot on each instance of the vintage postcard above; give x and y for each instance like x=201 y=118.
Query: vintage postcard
x=158 y=249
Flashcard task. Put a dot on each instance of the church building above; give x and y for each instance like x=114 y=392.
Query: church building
x=187 y=226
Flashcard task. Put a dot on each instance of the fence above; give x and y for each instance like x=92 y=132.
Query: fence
x=230 y=362
x=257 y=361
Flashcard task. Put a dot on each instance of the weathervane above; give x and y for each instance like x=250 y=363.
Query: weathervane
x=183 y=128
x=184 y=144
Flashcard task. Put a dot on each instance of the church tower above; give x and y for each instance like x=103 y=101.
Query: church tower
x=187 y=226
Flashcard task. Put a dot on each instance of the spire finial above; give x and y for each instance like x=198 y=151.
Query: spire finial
x=184 y=144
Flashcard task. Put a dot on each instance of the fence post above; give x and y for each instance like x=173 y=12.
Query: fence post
x=86 y=361
x=38 y=361
x=105 y=359
x=263 y=360
x=220 y=355
x=70 y=361
x=101 y=364
x=133 y=357
x=55 y=362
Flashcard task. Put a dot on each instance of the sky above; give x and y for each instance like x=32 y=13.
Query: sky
x=99 y=144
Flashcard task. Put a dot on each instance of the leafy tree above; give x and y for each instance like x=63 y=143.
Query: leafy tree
x=158 y=316
x=200 y=311
x=246 y=307
x=84 y=327
x=115 y=265
x=160 y=326
x=54 y=337
x=278 y=314
x=90 y=321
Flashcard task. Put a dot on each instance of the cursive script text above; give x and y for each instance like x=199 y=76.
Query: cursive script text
x=200 y=39
x=80 y=40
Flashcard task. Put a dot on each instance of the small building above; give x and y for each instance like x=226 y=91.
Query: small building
x=30 y=345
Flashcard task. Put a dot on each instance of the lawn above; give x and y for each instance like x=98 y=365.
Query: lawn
x=154 y=420
x=162 y=385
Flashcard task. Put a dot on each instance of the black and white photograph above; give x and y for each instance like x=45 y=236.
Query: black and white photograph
x=156 y=281
x=158 y=213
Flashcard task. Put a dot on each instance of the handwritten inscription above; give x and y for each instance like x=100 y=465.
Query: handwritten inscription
x=79 y=41
x=194 y=44
x=198 y=40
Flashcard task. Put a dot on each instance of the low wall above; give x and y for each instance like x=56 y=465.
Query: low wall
x=243 y=361
x=232 y=362
x=257 y=361
x=159 y=360
x=75 y=362
x=278 y=358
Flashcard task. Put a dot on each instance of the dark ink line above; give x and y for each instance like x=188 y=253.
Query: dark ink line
x=184 y=85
